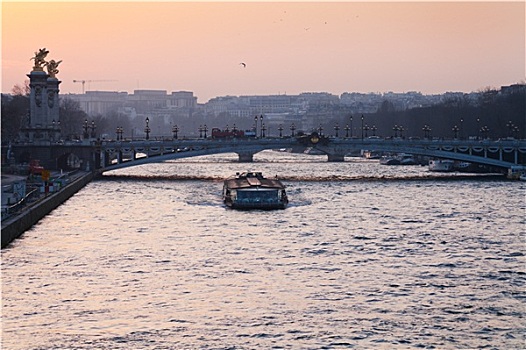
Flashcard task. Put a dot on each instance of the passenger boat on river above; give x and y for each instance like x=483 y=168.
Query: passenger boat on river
x=251 y=190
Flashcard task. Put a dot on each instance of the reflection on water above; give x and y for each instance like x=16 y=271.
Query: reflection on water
x=150 y=259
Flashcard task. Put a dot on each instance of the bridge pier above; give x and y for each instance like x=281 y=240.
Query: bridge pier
x=245 y=157
x=335 y=157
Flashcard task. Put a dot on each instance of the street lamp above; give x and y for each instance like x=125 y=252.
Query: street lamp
x=86 y=135
x=362 y=126
x=484 y=130
x=395 y=129
x=175 y=131
x=366 y=128
x=516 y=132
x=280 y=131
x=119 y=133
x=292 y=128
x=461 y=128
x=373 y=128
x=510 y=127
x=347 y=130
x=205 y=129
x=320 y=130
x=93 y=127
x=455 y=131
x=147 y=128
x=427 y=130
x=261 y=127
x=351 y=124
x=256 y=125
x=336 y=129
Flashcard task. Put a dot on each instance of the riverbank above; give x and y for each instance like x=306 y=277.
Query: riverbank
x=14 y=227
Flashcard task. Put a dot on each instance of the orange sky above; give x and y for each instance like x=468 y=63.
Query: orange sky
x=288 y=47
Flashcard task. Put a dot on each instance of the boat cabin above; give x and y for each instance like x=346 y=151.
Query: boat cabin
x=251 y=190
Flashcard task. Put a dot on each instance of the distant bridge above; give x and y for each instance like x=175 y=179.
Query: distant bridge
x=110 y=155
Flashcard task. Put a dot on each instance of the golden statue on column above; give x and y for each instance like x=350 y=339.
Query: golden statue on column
x=40 y=63
x=40 y=59
x=52 y=68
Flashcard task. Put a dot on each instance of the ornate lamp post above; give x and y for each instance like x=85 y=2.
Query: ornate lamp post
x=119 y=132
x=350 y=118
x=362 y=126
x=320 y=130
x=485 y=131
x=510 y=126
x=86 y=135
x=280 y=131
x=175 y=131
x=455 y=130
x=366 y=128
x=292 y=128
x=200 y=131
x=401 y=129
x=147 y=128
x=93 y=128
x=395 y=129
x=336 y=129
x=234 y=129
x=347 y=130
x=478 y=128
x=256 y=125
x=261 y=125
x=461 y=128
x=205 y=129
x=426 y=129
x=263 y=128
x=373 y=129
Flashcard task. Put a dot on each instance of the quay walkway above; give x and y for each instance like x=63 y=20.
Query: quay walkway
x=13 y=226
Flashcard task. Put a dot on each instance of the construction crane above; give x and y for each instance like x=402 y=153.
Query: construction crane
x=90 y=81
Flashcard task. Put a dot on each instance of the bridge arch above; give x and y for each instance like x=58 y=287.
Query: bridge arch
x=68 y=161
x=503 y=154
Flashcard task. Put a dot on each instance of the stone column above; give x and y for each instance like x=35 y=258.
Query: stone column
x=53 y=106
x=36 y=124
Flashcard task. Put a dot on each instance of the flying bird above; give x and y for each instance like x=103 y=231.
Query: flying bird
x=243 y=64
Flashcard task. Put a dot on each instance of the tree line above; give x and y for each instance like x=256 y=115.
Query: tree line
x=492 y=115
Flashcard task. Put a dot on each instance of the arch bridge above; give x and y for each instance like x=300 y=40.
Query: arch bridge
x=111 y=155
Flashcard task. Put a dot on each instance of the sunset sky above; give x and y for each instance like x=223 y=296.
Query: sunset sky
x=288 y=47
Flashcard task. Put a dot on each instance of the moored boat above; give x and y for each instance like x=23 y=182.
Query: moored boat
x=441 y=165
x=388 y=160
x=251 y=190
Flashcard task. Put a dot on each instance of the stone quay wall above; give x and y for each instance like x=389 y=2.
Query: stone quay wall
x=14 y=227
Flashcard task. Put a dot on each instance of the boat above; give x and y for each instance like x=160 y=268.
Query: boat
x=441 y=165
x=406 y=159
x=251 y=190
x=388 y=160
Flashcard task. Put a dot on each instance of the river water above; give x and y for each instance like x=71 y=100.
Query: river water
x=366 y=256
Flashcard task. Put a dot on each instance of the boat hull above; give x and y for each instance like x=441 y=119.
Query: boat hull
x=248 y=191
x=255 y=206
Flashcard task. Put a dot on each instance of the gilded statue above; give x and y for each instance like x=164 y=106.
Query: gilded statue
x=39 y=58
x=52 y=68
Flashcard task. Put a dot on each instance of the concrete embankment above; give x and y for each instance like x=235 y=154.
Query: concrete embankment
x=13 y=227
